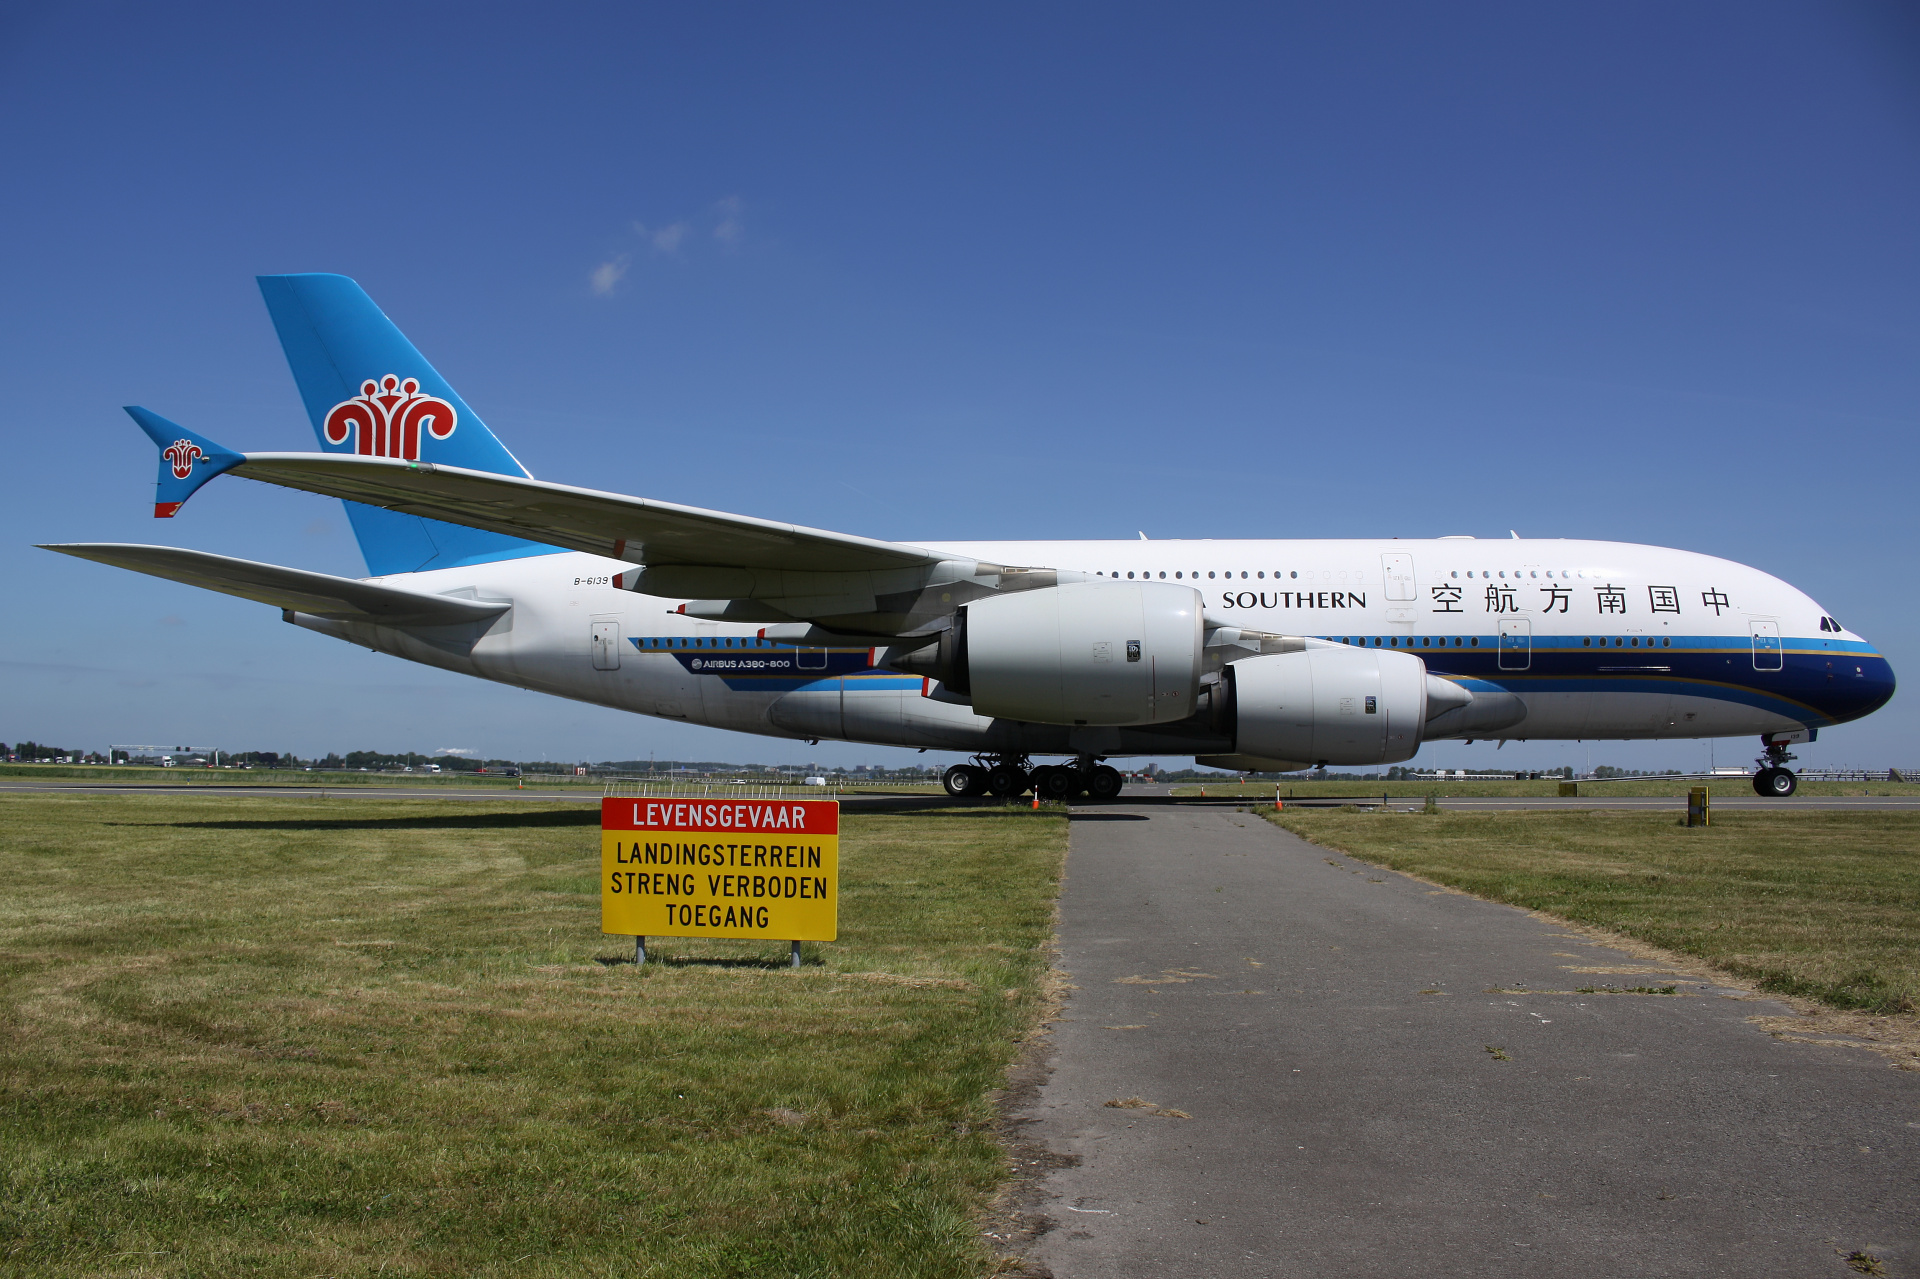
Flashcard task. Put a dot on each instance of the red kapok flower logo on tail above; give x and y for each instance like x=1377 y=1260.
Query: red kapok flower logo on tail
x=182 y=454
x=387 y=417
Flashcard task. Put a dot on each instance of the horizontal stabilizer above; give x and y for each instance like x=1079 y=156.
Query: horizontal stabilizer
x=636 y=529
x=320 y=594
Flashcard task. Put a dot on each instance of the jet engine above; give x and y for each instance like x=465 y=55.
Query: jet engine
x=1330 y=704
x=1118 y=653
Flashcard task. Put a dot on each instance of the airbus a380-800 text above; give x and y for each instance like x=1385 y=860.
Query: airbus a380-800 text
x=1256 y=655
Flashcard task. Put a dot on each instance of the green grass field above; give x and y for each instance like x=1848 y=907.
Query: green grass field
x=387 y=1038
x=1824 y=905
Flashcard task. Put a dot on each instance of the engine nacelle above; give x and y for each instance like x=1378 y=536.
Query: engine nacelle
x=1329 y=705
x=1118 y=653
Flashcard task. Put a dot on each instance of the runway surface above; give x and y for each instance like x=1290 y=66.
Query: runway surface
x=301 y=792
x=1141 y=796
x=1741 y=797
x=1370 y=1095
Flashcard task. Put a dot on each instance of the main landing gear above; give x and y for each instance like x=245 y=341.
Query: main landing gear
x=1775 y=780
x=1006 y=776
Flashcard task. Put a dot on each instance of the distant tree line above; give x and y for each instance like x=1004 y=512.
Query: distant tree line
x=35 y=752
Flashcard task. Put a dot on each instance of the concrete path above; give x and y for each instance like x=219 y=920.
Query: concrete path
x=1369 y=1097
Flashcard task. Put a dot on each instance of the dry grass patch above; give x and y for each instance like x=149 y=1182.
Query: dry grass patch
x=387 y=1037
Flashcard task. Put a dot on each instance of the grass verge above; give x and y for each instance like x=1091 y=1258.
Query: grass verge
x=1823 y=905
x=388 y=1038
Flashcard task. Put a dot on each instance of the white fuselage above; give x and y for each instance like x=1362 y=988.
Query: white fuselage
x=1598 y=639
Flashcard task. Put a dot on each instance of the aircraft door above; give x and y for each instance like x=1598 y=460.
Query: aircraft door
x=1516 y=643
x=810 y=659
x=606 y=644
x=1767 y=653
x=1396 y=571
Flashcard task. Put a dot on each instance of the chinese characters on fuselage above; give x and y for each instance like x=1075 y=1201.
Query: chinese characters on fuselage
x=1608 y=600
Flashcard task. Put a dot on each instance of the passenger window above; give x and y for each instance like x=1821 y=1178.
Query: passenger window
x=1587 y=642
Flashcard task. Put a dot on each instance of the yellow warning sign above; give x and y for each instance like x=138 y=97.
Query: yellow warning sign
x=747 y=868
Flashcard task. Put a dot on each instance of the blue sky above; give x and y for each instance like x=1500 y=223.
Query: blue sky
x=1637 y=272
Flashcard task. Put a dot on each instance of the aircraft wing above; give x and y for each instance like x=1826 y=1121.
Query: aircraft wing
x=320 y=594
x=636 y=529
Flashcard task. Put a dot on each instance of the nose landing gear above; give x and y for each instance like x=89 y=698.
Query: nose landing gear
x=1775 y=780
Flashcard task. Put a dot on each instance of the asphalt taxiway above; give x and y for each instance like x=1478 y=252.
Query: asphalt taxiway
x=1274 y=1061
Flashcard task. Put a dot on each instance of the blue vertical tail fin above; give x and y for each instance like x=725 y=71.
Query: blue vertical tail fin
x=369 y=391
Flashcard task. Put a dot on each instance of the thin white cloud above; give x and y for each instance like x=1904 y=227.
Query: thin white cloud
x=608 y=273
x=730 y=227
x=667 y=238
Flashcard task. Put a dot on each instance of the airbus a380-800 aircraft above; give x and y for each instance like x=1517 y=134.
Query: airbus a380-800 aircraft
x=1266 y=655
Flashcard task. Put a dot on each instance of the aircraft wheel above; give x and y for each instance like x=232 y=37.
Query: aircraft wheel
x=1105 y=783
x=1054 y=782
x=1775 y=783
x=962 y=780
x=1006 y=781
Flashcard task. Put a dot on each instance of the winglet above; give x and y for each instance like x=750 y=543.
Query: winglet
x=187 y=460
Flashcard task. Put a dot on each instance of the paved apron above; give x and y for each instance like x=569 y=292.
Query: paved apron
x=1345 y=1123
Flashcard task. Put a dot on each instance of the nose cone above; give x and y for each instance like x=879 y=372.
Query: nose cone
x=1855 y=685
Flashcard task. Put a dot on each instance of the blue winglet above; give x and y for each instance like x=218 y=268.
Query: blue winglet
x=187 y=460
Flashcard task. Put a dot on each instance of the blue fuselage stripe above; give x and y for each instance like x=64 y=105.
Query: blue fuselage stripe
x=1816 y=681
